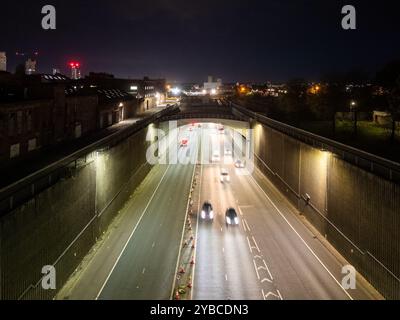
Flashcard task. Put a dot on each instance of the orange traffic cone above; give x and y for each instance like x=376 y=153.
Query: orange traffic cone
x=177 y=296
x=182 y=270
x=189 y=285
x=193 y=246
x=192 y=262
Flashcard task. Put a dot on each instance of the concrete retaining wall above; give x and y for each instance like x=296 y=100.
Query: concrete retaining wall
x=59 y=225
x=357 y=211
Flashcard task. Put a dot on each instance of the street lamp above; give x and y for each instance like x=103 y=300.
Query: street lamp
x=353 y=108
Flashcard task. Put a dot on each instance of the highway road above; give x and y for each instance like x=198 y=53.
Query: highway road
x=138 y=257
x=271 y=255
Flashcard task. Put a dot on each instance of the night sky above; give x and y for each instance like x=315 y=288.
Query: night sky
x=186 y=40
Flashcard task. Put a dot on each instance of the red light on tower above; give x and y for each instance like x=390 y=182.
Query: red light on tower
x=75 y=70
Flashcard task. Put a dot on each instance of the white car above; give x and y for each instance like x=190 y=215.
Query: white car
x=225 y=176
x=216 y=157
x=240 y=164
x=228 y=152
x=232 y=218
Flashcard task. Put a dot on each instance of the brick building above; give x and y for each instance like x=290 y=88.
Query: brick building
x=38 y=111
x=149 y=92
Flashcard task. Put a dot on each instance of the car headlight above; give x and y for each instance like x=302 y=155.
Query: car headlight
x=236 y=220
x=203 y=215
x=212 y=215
x=228 y=220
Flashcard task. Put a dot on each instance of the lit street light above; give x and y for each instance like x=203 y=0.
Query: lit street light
x=353 y=108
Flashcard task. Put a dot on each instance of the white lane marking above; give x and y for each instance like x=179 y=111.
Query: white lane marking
x=263 y=294
x=240 y=211
x=255 y=267
x=144 y=271
x=244 y=226
x=247 y=225
x=266 y=280
x=154 y=244
x=302 y=240
x=223 y=250
x=269 y=294
x=265 y=267
x=226 y=277
x=183 y=232
x=269 y=272
x=250 y=247
x=133 y=231
x=257 y=247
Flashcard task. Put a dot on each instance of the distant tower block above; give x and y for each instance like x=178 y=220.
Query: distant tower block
x=3 y=61
x=75 y=70
x=30 y=66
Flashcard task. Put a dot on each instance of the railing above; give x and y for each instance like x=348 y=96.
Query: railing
x=197 y=115
x=375 y=164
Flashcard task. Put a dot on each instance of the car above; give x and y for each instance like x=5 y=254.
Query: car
x=225 y=176
x=240 y=164
x=207 y=212
x=232 y=218
x=216 y=157
x=184 y=142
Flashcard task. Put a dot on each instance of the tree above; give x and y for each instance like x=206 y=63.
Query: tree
x=389 y=79
x=394 y=106
x=334 y=96
x=293 y=104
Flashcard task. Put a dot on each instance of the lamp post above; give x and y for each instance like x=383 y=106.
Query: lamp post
x=353 y=108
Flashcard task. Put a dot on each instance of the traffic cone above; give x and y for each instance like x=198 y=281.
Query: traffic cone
x=182 y=270
x=190 y=285
x=177 y=296
x=185 y=244
x=191 y=238
x=192 y=262
x=193 y=246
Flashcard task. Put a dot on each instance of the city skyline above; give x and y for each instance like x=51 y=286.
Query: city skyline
x=185 y=42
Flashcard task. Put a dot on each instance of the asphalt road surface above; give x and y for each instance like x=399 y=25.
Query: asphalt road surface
x=271 y=255
x=138 y=259
x=147 y=266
